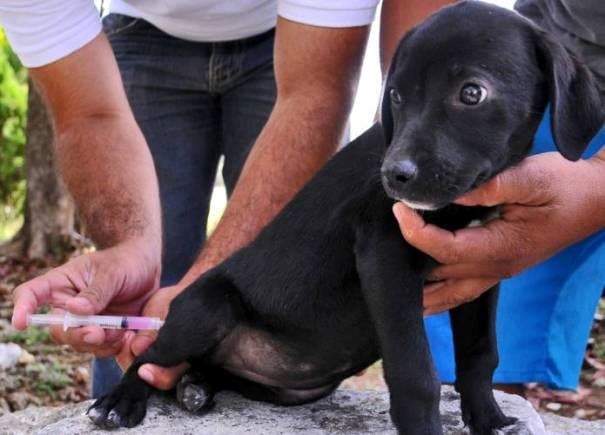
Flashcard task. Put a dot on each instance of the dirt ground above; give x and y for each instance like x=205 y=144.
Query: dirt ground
x=54 y=375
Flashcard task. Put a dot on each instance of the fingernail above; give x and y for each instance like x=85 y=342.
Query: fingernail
x=463 y=200
x=433 y=286
x=89 y=339
x=397 y=211
x=146 y=375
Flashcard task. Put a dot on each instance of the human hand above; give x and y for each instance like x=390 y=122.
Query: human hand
x=163 y=378
x=117 y=280
x=546 y=203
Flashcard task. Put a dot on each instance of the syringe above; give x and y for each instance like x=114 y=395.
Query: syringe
x=69 y=320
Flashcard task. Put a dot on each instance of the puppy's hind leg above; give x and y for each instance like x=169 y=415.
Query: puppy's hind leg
x=474 y=330
x=198 y=319
x=195 y=391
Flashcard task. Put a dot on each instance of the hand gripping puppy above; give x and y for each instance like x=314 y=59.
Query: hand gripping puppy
x=330 y=285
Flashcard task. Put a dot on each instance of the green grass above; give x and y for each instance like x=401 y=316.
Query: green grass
x=30 y=336
x=47 y=378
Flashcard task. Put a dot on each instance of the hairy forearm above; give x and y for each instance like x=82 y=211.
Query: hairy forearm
x=101 y=152
x=317 y=70
x=597 y=163
x=110 y=174
x=274 y=172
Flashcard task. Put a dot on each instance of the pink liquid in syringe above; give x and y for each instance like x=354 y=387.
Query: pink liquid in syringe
x=137 y=323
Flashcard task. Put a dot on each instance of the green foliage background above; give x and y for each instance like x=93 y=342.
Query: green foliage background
x=13 y=113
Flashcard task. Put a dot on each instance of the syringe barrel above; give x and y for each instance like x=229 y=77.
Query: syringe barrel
x=69 y=320
x=44 y=319
x=105 y=322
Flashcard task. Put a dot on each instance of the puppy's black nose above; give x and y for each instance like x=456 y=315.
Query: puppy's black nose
x=400 y=171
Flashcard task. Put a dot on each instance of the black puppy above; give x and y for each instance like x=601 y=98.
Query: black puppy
x=330 y=285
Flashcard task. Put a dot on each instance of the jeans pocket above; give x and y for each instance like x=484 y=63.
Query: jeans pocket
x=115 y=24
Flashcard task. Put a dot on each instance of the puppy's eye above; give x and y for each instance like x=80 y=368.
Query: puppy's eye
x=472 y=94
x=395 y=97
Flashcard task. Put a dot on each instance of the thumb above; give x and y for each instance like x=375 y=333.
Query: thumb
x=142 y=341
x=494 y=192
x=517 y=185
x=92 y=300
x=162 y=378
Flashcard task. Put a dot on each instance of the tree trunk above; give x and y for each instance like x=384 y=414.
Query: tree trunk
x=49 y=210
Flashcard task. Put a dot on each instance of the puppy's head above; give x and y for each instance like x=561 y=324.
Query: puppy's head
x=463 y=98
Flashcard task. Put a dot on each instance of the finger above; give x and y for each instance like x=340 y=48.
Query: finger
x=162 y=378
x=27 y=297
x=91 y=300
x=142 y=341
x=432 y=240
x=103 y=350
x=454 y=293
x=54 y=287
x=125 y=357
x=90 y=338
x=486 y=269
x=432 y=287
x=524 y=184
x=468 y=245
x=438 y=310
x=25 y=303
x=409 y=221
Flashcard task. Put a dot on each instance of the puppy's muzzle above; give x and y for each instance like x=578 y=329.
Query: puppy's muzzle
x=397 y=173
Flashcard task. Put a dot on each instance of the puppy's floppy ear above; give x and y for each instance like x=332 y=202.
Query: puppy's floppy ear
x=386 y=116
x=576 y=104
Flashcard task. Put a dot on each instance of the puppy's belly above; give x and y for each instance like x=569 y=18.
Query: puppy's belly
x=256 y=355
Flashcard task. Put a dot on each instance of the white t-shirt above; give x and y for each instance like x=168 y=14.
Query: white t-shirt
x=43 y=31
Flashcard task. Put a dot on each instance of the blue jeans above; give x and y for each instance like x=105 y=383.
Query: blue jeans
x=194 y=102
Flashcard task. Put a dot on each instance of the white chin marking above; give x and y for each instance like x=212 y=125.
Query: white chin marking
x=417 y=205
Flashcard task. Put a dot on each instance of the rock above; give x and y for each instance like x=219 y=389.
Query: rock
x=82 y=375
x=4 y=406
x=557 y=425
x=6 y=328
x=553 y=406
x=9 y=355
x=25 y=358
x=599 y=383
x=18 y=400
x=344 y=412
x=8 y=382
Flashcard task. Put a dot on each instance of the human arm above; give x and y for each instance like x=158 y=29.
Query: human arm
x=316 y=70
x=397 y=18
x=107 y=167
x=547 y=203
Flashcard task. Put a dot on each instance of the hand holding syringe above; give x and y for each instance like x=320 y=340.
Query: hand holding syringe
x=69 y=320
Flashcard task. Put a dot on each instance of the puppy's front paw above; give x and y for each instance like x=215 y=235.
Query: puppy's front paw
x=118 y=409
x=482 y=414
